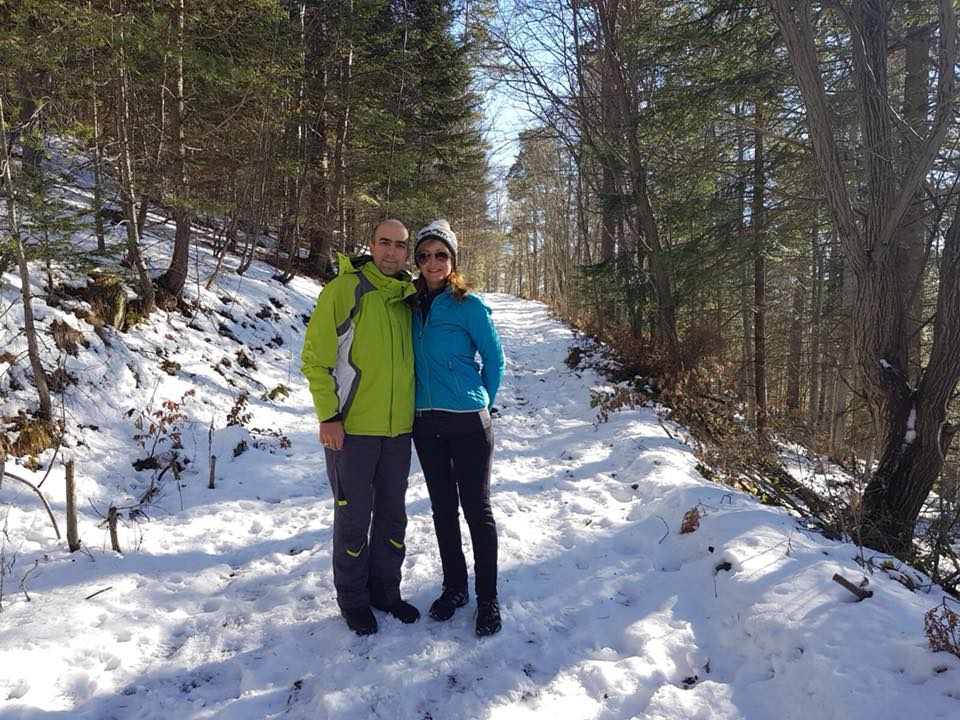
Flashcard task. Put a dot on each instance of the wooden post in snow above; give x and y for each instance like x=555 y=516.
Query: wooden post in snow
x=112 y=523
x=73 y=537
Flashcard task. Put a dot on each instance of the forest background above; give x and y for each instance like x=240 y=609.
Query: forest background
x=752 y=206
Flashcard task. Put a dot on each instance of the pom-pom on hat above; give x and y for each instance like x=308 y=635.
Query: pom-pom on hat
x=438 y=230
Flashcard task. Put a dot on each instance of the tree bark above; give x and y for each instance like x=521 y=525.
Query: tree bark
x=918 y=435
x=97 y=161
x=73 y=535
x=127 y=192
x=844 y=369
x=338 y=192
x=757 y=220
x=31 y=147
x=909 y=420
x=174 y=279
x=816 y=315
x=794 y=361
x=45 y=408
x=295 y=134
x=746 y=299
x=911 y=236
x=318 y=227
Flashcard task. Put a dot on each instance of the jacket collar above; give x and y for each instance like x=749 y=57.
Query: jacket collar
x=399 y=286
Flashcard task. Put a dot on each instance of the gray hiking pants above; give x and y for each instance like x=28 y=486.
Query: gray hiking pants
x=369 y=481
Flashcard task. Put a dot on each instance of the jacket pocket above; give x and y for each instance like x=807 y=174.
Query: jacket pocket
x=456 y=380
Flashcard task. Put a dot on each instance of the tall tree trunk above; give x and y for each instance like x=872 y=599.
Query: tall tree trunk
x=45 y=408
x=657 y=258
x=918 y=434
x=609 y=206
x=757 y=220
x=844 y=371
x=174 y=279
x=97 y=160
x=127 y=191
x=613 y=104
x=816 y=317
x=338 y=192
x=796 y=344
x=142 y=207
x=31 y=144
x=250 y=249
x=911 y=236
x=295 y=142
x=746 y=299
x=318 y=227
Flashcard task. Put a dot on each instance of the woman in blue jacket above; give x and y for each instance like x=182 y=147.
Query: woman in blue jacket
x=452 y=430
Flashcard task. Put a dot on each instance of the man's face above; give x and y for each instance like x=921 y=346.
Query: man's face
x=389 y=247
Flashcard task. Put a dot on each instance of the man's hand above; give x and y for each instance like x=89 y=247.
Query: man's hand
x=331 y=435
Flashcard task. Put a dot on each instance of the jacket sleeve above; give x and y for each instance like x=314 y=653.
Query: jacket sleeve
x=320 y=347
x=485 y=337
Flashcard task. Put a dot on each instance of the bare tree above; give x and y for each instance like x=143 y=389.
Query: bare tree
x=173 y=280
x=127 y=190
x=758 y=219
x=45 y=411
x=910 y=419
x=593 y=98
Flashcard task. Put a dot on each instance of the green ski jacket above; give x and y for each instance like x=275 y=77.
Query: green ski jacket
x=358 y=352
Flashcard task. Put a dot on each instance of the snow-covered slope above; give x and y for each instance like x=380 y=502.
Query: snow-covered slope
x=224 y=607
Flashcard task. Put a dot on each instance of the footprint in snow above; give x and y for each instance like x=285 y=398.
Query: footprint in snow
x=19 y=689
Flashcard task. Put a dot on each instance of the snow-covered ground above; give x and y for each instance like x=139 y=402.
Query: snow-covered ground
x=222 y=604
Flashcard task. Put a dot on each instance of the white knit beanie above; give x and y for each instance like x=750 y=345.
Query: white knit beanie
x=438 y=230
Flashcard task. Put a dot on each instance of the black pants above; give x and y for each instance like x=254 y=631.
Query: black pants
x=456 y=451
x=369 y=482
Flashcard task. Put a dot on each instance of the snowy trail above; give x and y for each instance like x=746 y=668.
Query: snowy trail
x=226 y=609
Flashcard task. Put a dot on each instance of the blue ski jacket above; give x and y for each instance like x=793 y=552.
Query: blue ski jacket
x=445 y=350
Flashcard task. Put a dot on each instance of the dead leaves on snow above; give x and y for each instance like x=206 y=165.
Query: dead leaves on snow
x=691 y=520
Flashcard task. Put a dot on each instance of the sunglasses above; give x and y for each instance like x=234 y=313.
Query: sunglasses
x=424 y=257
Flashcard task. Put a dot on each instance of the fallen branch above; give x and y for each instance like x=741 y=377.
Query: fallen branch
x=23 y=580
x=861 y=593
x=53 y=520
x=53 y=458
x=665 y=525
x=93 y=595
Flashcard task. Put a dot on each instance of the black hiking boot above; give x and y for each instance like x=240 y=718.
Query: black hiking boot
x=488 y=617
x=400 y=609
x=448 y=602
x=360 y=620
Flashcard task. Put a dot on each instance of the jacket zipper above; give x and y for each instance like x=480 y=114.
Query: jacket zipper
x=426 y=360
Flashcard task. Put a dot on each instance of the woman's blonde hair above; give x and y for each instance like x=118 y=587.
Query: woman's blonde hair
x=461 y=286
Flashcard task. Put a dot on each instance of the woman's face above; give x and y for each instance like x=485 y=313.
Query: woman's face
x=433 y=259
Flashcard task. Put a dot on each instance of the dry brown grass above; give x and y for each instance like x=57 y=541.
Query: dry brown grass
x=66 y=338
x=34 y=437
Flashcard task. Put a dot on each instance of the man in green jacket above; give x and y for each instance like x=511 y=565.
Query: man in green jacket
x=358 y=359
